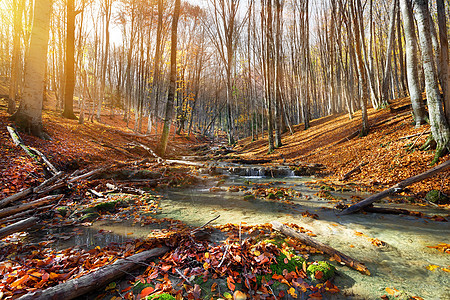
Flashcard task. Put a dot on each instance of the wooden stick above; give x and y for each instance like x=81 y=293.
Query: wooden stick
x=198 y=228
x=86 y=175
x=396 y=188
x=18 y=226
x=353 y=171
x=338 y=256
x=79 y=286
x=19 y=208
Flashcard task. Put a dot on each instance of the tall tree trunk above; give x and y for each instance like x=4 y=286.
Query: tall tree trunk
x=69 y=66
x=387 y=68
x=18 y=6
x=412 y=63
x=29 y=115
x=107 y=11
x=156 y=71
x=439 y=125
x=172 y=82
x=444 y=61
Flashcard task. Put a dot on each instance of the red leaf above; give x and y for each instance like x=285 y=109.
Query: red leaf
x=147 y=291
x=230 y=283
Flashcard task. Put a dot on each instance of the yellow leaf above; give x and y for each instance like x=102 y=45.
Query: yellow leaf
x=291 y=292
x=432 y=267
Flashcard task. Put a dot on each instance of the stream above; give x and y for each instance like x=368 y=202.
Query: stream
x=399 y=264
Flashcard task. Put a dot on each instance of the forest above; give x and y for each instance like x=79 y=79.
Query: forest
x=224 y=149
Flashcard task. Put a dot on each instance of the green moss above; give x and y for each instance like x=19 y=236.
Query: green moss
x=164 y=296
x=286 y=263
x=436 y=196
x=89 y=217
x=62 y=210
x=279 y=194
x=139 y=286
x=249 y=197
x=326 y=268
x=271 y=196
x=327 y=188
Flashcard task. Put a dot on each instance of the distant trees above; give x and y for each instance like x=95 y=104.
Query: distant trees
x=243 y=68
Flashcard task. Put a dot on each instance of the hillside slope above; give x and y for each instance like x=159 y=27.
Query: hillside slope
x=332 y=141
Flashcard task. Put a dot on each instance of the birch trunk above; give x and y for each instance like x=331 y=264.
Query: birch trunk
x=412 y=63
x=29 y=114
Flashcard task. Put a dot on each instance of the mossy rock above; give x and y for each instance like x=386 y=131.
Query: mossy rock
x=164 y=296
x=89 y=217
x=279 y=194
x=435 y=196
x=324 y=267
x=249 y=197
x=271 y=196
x=109 y=206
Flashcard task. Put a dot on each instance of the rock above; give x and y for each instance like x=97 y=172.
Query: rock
x=320 y=270
x=435 y=196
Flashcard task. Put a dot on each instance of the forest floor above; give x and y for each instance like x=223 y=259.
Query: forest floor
x=193 y=267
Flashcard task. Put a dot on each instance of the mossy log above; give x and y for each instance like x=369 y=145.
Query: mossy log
x=91 y=282
x=338 y=256
x=396 y=188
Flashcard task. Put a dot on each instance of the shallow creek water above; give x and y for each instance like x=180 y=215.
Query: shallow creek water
x=400 y=264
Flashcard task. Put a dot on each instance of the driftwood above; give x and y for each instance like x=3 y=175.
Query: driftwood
x=24 y=193
x=91 y=282
x=353 y=171
x=31 y=151
x=396 y=188
x=18 y=226
x=19 y=208
x=304 y=238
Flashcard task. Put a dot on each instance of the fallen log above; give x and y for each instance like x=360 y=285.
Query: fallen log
x=338 y=256
x=19 y=208
x=32 y=152
x=25 y=214
x=18 y=226
x=26 y=192
x=91 y=282
x=396 y=188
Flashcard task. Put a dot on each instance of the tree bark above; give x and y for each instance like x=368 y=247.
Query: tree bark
x=444 y=60
x=396 y=188
x=412 y=63
x=172 y=84
x=18 y=226
x=29 y=115
x=95 y=280
x=69 y=66
x=338 y=256
x=18 y=208
x=439 y=126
